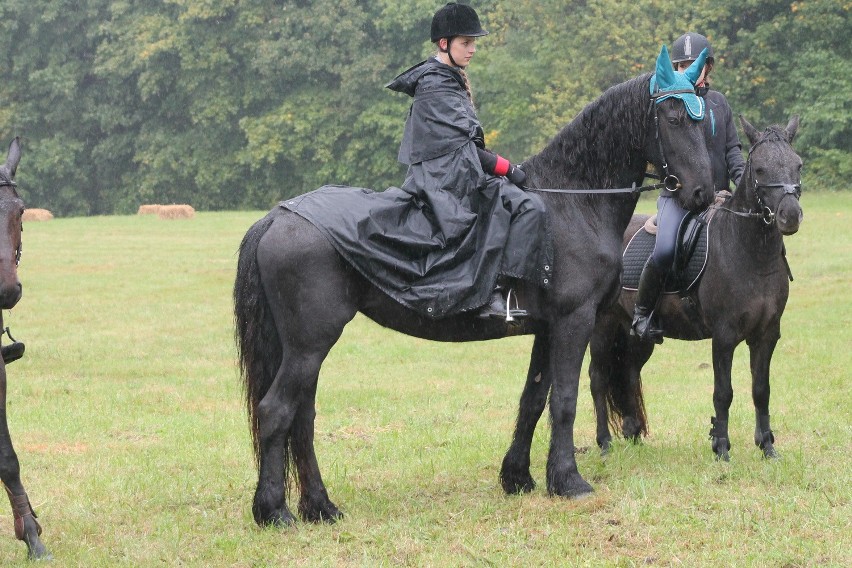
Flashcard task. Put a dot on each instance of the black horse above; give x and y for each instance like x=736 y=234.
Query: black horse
x=11 y=209
x=294 y=294
x=740 y=297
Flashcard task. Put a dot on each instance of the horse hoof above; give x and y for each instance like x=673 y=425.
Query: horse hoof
x=769 y=453
x=573 y=487
x=515 y=478
x=517 y=486
x=326 y=512
x=723 y=456
x=278 y=519
x=39 y=554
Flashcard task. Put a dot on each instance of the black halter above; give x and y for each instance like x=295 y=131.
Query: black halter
x=764 y=212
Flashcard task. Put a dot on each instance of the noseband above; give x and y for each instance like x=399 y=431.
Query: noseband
x=14 y=186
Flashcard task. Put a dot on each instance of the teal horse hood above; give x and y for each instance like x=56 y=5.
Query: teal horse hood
x=681 y=85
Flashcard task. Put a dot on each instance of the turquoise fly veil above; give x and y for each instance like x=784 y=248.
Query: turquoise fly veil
x=682 y=85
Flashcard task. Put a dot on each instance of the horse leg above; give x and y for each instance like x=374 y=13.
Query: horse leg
x=569 y=337
x=314 y=504
x=723 y=396
x=761 y=355
x=515 y=472
x=27 y=528
x=604 y=357
x=291 y=395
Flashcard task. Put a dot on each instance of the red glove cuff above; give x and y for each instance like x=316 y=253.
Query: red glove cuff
x=502 y=167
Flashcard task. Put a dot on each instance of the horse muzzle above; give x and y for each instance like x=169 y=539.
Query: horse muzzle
x=10 y=294
x=789 y=216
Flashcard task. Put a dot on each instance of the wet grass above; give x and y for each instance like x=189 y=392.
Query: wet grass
x=128 y=419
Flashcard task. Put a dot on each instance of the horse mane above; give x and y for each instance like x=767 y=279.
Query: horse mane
x=610 y=130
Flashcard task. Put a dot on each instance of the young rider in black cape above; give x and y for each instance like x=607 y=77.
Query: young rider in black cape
x=458 y=232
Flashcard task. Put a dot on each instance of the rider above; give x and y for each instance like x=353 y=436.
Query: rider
x=726 y=160
x=444 y=147
x=723 y=144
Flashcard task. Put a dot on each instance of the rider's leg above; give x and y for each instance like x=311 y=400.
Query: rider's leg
x=669 y=216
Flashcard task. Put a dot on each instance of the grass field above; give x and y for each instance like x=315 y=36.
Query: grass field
x=128 y=419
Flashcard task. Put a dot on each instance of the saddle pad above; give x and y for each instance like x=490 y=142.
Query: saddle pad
x=638 y=251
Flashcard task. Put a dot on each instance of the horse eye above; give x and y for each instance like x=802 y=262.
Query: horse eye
x=759 y=171
x=673 y=120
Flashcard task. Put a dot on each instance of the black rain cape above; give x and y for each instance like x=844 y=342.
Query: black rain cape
x=438 y=243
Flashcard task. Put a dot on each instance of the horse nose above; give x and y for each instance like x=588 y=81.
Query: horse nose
x=789 y=220
x=11 y=295
x=701 y=197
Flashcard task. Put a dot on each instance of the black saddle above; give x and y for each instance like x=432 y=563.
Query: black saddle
x=690 y=255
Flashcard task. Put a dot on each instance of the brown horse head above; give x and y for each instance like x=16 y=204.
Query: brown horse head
x=11 y=209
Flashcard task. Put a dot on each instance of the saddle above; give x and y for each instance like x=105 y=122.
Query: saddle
x=690 y=254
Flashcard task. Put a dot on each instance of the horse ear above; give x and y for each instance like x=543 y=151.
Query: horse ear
x=792 y=127
x=750 y=130
x=665 y=71
x=693 y=72
x=14 y=156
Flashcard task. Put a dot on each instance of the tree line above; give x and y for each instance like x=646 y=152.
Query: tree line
x=236 y=104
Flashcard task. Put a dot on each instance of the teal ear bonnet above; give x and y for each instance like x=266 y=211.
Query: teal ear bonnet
x=682 y=85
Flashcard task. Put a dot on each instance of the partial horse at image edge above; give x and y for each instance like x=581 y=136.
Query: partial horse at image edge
x=26 y=526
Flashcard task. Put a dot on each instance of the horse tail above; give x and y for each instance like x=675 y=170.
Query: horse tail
x=258 y=345
x=625 y=400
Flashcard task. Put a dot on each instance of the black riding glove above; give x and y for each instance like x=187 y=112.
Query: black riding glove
x=517 y=176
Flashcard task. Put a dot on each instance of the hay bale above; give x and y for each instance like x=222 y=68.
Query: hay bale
x=148 y=209
x=176 y=212
x=36 y=215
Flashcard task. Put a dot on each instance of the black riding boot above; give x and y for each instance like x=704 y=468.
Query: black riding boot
x=498 y=306
x=650 y=286
x=12 y=352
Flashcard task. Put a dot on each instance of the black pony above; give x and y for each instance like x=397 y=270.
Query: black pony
x=294 y=294
x=11 y=209
x=740 y=297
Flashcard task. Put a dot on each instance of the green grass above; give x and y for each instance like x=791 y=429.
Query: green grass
x=128 y=419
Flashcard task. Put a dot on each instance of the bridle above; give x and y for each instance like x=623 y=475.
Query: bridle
x=669 y=181
x=764 y=212
x=20 y=248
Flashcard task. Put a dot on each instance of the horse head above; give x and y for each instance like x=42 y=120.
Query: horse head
x=11 y=209
x=678 y=147
x=772 y=178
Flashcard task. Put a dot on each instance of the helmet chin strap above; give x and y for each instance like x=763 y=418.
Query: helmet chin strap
x=447 y=51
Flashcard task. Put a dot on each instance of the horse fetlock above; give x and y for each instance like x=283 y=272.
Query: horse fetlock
x=720 y=442
x=763 y=435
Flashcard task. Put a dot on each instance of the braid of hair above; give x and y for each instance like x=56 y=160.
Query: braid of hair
x=467 y=86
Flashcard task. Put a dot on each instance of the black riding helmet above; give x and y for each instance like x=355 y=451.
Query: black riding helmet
x=688 y=46
x=456 y=20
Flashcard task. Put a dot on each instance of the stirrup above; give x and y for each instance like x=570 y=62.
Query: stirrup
x=517 y=312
